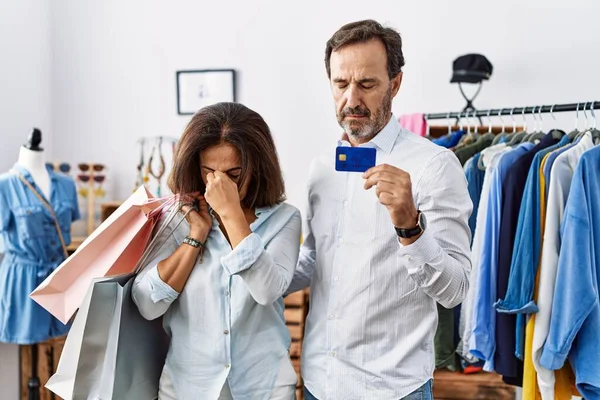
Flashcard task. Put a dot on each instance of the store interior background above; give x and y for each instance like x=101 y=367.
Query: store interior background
x=95 y=76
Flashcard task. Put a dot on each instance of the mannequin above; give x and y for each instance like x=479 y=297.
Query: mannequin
x=37 y=208
x=31 y=157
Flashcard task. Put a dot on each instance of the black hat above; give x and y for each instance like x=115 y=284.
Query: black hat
x=471 y=68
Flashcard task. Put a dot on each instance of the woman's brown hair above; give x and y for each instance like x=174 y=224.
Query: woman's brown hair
x=244 y=129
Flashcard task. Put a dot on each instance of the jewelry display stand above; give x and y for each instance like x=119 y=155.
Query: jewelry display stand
x=155 y=166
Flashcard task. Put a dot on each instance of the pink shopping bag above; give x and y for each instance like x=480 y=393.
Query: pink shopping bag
x=112 y=249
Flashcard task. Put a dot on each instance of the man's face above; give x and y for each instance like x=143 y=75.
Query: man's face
x=362 y=90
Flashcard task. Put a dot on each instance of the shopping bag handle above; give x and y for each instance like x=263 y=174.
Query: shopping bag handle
x=166 y=202
x=152 y=247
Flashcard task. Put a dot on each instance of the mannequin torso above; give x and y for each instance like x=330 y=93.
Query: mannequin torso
x=35 y=163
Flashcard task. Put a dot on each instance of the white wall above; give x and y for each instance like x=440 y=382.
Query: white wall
x=25 y=102
x=115 y=62
x=25 y=65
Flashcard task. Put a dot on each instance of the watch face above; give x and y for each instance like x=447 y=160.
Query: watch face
x=422 y=221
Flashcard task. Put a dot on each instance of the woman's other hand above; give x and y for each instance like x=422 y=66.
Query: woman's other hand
x=200 y=220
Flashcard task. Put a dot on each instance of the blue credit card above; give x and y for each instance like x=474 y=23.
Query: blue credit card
x=355 y=159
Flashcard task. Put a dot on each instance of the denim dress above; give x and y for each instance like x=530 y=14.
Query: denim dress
x=32 y=250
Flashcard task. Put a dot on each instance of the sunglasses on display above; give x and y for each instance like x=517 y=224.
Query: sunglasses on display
x=86 y=167
x=86 y=178
x=65 y=168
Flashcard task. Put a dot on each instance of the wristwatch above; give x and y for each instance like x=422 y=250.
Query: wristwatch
x=417 y=230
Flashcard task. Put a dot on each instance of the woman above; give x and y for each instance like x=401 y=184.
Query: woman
x=218 y=280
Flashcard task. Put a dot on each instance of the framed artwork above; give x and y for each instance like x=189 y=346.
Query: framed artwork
x=201 y=88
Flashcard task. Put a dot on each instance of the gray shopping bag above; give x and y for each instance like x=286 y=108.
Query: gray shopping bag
x=85 y=347
x=136 y=350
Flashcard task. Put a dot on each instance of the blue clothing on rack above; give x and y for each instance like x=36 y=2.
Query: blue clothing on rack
x=451 y=140
x=526 y=252
x=32 y=250
x=475 y=177
x=513 y=186
x=483 y=342
x=575 y=318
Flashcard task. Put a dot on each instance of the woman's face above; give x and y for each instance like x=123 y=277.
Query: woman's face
x=224 y=158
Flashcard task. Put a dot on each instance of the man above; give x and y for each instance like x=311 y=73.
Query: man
x=380 y=248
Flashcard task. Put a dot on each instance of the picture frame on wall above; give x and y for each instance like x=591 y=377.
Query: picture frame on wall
x=200 y=88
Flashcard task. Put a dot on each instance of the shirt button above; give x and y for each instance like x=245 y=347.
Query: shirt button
x=227 y=365
x=341 y=240
x=336 y=279
x=346 y=204
x=332 y=354
x=332 y=316
x=52 y=243
x=226 y=332
x=227 y=293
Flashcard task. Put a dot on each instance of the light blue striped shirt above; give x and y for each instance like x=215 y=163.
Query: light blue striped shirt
x=227 y=325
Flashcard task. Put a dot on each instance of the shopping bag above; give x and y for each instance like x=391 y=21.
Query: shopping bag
x=111 y=351
x=112 y=249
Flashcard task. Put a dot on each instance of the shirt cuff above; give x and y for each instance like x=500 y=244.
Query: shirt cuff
x=244 y=255
x=504 y=307
x=479 y=347
x=552 y=360
x=160 y=290
x=423 y=251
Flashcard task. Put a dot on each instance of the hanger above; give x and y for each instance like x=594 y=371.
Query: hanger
x=573 y=134
x=593 y=131
x=460 y=125
x=585 y=127
x=556 y=133
x=518 y=137
x=534 y=130
x=475 y=124
x=514 y=130
x=538 y=133
x=501 y=134
x=489 y=133
x=470 y=135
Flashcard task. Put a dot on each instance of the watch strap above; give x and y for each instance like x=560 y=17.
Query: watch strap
x=410 y=232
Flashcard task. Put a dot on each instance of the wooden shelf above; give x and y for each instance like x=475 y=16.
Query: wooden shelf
x=449 y=385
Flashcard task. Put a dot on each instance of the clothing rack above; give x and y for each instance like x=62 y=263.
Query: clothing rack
x=587 y=106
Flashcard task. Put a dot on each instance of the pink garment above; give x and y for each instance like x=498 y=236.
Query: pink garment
x=415 y=123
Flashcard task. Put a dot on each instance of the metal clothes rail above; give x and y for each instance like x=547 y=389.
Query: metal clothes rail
x=586 y=106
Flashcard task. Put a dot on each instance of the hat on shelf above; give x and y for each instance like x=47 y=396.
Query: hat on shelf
x=471 y=68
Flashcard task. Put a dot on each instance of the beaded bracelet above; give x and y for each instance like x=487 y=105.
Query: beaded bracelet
x=193 y=242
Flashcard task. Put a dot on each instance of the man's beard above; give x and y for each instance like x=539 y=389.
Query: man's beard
x=367 y=129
